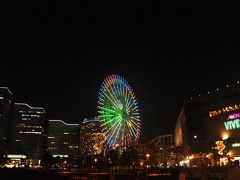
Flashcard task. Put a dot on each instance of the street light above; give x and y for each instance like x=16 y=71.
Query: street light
x=147 y=155
x=225 y=136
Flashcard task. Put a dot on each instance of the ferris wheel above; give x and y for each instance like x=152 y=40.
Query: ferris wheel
x=118 y=112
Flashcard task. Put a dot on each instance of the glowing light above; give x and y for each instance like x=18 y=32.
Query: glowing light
x=147 y=155
x=229 y=153
x=235 y=124
x=16 y=156
x=236 y=145
x=9 y=165
x=225 y=110
x=220 y=147
x=225 y=136
x=118 y=112
x=129 y=124
x=234 y=116
x=191 y=157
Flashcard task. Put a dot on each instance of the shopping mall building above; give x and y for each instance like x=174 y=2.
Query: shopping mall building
x=208 y=128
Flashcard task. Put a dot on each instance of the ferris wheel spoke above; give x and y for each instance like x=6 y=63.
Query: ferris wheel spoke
x=113 y=87
x=100 y=103
x=133 y=103
x=129 y=101
x=134 y=128
x=112 y=96
x=134 y=123
x=131 y=131
x=100 y=99
x=134 y=109
x=117 y=120
x=105 y=108
x=117 y=135
x=110 y=137
x=109 y=121
x=106 y=115
x=118 y=88
x=113 y=132
x=121 y=89
x=111 y=99
x=134 y=114
x=115 y=104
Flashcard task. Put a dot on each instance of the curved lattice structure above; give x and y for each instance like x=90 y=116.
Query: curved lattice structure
x=119 y=112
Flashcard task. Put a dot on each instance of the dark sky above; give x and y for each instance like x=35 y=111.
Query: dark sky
x=56 y=54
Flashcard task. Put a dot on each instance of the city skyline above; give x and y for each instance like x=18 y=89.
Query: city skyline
x=56 y=55
x=148 y=107
x=114 y=90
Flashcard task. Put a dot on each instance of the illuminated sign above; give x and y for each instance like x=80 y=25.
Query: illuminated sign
x=17 y=156
x=60 y=155
x=234 y=116
x=220 y=147
x=236 y=145
x=224 y=110
x=233 y=122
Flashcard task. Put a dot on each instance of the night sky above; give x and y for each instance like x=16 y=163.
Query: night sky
x=56 y=55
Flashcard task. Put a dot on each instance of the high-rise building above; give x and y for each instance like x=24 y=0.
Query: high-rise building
x=27 y=131
x=5 y=106
x=63 y=138
x=209 y=126
x=91 y=137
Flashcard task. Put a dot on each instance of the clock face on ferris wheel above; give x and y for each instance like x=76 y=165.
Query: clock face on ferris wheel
x=118 y=112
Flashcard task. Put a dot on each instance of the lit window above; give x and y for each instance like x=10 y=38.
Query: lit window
x=28 y=132
x=50 y=137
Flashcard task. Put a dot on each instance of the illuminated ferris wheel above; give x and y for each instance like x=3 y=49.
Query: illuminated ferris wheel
x=119 y=112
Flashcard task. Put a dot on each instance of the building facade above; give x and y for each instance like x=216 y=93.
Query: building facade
x=63 y=138
x=209 y=126
x=5 y=107
x=27 y=131
x=91 y=137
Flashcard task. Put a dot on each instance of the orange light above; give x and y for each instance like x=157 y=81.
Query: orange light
x=225 y=136
x=147 y=155
x=229 y=153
